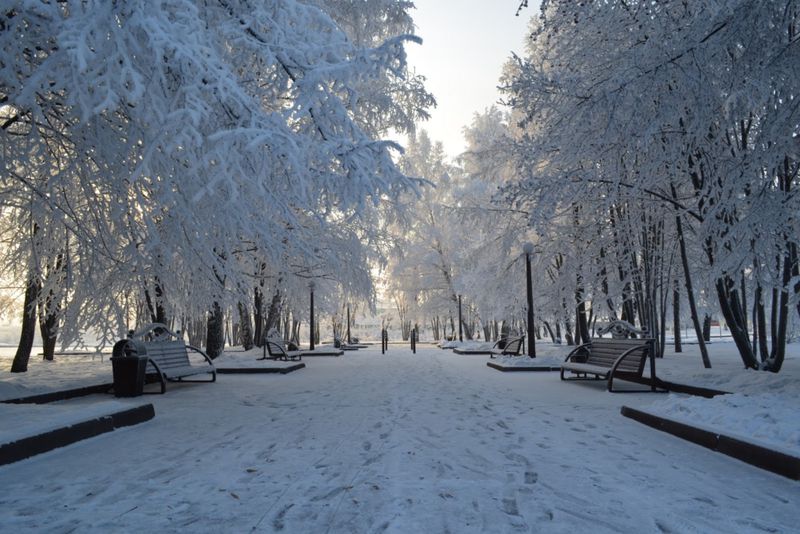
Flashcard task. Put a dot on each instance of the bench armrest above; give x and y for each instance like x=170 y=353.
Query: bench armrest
x=202 y=353
x=272 y=345
x=503 y=340
x=584 y=347
x=625 y=355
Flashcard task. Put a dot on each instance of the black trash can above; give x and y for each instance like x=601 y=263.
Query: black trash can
x=129 y=367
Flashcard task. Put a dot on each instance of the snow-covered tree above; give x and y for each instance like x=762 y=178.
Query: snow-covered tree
x=425 y=272
x=674 y=112
x=179 y=144
x=491 y=259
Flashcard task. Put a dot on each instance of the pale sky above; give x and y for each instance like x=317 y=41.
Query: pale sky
x=465 y=44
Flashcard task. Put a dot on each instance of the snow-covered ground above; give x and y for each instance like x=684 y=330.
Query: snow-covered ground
x=432 y=442
x=64 y=372
x=547 y=354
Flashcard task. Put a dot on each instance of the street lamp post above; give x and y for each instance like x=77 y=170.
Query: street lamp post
x=460 y=335
x=311 y=289
x=528 y=249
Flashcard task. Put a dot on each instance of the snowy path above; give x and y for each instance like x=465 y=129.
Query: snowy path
x=432 y=442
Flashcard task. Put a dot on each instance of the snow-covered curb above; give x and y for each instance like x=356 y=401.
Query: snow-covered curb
x=18 y=421
x=525 y=361
x=745 y=449
x=769 y=418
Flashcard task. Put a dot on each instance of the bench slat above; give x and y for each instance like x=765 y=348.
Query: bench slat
x=178 y=372
x=172 y=358
x=616 y=344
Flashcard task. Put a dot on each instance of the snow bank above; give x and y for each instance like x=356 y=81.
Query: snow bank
x=769 y=419
x=761 y=409
x=65 y=372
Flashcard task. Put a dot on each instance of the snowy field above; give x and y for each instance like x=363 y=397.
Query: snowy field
x=432 y=442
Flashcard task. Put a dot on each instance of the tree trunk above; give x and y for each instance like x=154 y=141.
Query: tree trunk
x=197 y=331
x=215 y=333
x=754 y=320
x=50 y=306
x=245 y=327
x=775 y=362
x=687 y=277
x=23 y=354
x=274 y=313
x=760 y=323
x=743 y=290
x=296 y=332
x=676 y=316
x=728 y=301
x=604 y=285
x=286 y=329
x=707 y=328
x=773 y=319
x=549 y=331
x=259 y=332
x=795 y=270
x=48 y=328
x=161 y=312
x=581 y=324
x=568 y=332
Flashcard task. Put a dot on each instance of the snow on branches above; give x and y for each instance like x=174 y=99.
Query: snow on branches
x=635 y=113
x=182 y=143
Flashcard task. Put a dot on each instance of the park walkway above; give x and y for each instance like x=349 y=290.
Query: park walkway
x=432 y=442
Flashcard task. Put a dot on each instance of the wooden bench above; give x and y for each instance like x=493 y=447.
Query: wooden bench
x=610 y=358
x=512 y=347
x=168 y=356
x=275 y=349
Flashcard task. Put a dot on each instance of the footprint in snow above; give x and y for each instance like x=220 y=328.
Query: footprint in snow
x=510 y=506
x=333 y=493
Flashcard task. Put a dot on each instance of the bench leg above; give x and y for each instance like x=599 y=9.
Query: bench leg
x=213 y=378
x=160 y=376
x=653 y=388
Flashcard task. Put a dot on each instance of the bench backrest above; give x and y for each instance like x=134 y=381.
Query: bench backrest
x=513 y=345
x=167 y=355
x=604 y=352
x=273 y=344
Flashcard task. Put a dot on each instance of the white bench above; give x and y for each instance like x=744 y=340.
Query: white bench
x=168 y=356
